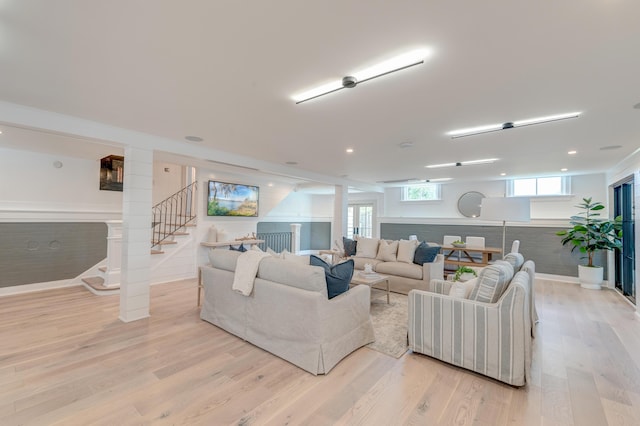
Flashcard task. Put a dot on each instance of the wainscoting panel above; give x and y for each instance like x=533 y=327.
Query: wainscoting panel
x=43 y=252
x=313 y=235
x=541 y=244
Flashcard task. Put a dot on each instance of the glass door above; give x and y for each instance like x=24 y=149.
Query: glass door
x=625 y=258
x=360 y=220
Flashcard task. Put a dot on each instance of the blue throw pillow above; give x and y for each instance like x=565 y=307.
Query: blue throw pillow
x=338 y=276
x=349 y=246
x=241 y=248
x=425 y=253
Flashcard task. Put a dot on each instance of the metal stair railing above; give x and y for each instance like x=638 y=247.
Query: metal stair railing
x=172 y=214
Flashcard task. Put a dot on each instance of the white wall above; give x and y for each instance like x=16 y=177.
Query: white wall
x=235 y=227
x=167 y=180
x=33 y=189
x=542 y=209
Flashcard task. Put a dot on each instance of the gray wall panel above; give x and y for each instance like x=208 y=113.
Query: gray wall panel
x=313 y=235
x=42 y=252
x=540 y=244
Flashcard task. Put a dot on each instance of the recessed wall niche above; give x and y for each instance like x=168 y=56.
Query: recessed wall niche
x=111 y=173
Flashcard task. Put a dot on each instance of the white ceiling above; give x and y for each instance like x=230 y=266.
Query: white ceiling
x=225 y=71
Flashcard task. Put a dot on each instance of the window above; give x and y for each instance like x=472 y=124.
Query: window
x=422 y=192
x=546 y=186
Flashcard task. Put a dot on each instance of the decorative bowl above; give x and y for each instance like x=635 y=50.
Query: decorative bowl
x=459 y=245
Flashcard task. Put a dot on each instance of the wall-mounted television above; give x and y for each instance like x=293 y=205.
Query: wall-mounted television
x=232 y=199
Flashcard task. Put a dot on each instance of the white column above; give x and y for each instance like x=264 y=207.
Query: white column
x=295 y=237
x=340 y=204
x=114 y=253
x=136 y=234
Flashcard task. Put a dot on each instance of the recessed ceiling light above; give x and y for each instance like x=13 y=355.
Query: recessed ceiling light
x=292 y=163
x=510 y=125
x=572 y=152
x=463 y=163
x=503 y=174
x=394 y=64
x=349 y=150
x=610 y=147
x=270 y=184
x=194 y=138
x=564 y=169
x=405 y=144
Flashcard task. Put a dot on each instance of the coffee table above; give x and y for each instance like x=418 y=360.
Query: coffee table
x=371 y=281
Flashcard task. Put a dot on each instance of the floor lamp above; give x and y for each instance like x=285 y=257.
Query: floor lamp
x=506 y=209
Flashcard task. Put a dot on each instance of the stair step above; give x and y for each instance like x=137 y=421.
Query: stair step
x=157 y=252
x=163 y=243
x=97 y=284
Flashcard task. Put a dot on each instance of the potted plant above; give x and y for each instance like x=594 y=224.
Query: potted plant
x=589 y=234
x=464 y=273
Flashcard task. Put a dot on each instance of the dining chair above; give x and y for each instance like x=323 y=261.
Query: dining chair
x=474 y=242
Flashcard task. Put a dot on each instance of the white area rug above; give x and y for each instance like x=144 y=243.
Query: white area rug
x=389 y=323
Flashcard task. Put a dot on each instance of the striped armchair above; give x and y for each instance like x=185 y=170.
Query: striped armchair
x=493 y=339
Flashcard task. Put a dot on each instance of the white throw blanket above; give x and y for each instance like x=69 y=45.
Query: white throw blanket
x=246 y=271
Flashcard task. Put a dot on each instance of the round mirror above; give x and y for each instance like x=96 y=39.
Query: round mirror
x=469 y=204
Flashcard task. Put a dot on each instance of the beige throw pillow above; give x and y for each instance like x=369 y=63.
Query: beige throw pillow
x=462 y=289
x=295 y=258
x=387 y=251
x=406 y=250
x=367 y=247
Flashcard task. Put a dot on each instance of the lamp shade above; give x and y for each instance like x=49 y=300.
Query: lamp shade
x=509 y=209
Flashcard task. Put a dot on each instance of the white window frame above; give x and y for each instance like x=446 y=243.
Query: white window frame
x=565 y=185
x=404 y=193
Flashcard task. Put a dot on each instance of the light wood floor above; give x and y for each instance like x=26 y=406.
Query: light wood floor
x=66 y=359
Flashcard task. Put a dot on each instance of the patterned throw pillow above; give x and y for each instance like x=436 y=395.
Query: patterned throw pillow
x=349 y=246
x=241 y=248
x=425 y=253
x=338 y=276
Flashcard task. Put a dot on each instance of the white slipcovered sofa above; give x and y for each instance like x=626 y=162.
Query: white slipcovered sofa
x=489 y=333
x=404 y=274
x=288 y=312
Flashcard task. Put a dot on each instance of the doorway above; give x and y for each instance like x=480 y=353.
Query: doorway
x=623 y=205
x=360 y=220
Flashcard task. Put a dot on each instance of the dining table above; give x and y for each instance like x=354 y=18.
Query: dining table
x=463 y=256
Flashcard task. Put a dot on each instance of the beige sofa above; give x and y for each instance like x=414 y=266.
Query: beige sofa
x=404 y=276
x=288 y=312
x=489 y=333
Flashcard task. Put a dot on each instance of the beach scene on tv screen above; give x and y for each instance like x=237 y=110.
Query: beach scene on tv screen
x=231 y=199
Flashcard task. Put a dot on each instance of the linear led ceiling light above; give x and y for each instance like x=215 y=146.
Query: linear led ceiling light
x=398 y=63
x=510 y=125
x=463 y=163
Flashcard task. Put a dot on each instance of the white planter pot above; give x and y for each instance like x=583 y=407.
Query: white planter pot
x=590 y=277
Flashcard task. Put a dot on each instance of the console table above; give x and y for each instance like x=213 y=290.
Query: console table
x=231 y=243
x=465 y=258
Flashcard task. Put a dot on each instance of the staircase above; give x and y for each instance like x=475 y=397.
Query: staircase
x=171 y=220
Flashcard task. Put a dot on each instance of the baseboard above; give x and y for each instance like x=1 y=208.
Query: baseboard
x=29 y=288
x=566 y=279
